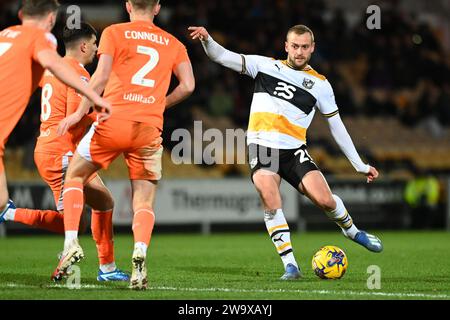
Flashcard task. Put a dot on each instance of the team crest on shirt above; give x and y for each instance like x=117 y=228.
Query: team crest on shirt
x=308 y=83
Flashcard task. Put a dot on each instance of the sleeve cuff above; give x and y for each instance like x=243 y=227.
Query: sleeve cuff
x=331 y=114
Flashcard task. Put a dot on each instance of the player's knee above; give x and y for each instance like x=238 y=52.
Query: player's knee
x=326 y=203
x=142 y=205
x=80 y=170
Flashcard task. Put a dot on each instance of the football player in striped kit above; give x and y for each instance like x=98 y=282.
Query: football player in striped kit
x=287 y=95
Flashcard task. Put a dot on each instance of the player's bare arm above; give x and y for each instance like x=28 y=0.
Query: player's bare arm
x=345 y=143
x=186 y=85
x=52 y=61
x=97 y=83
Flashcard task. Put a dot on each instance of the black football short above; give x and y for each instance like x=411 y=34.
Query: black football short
x=291 y=164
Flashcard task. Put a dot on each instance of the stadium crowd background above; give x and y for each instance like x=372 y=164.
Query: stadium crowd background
x=392 y=85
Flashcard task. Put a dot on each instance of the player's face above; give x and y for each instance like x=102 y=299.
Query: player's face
x=91 y=48
x=299 y=48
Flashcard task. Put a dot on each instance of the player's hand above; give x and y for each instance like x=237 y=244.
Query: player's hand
x=68 y=122
x=199 y=33
x=372 y=174
x=103 y=109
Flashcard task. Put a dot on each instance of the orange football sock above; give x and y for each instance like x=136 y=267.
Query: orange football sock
x=143 y=222
x=102 y=232
x=44 y=219
x=73 y=199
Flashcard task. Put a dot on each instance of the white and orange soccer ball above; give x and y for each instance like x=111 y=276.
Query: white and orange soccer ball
x=330 y=262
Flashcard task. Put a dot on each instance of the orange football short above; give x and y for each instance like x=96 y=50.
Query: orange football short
x=140 y=143
x=53 y=168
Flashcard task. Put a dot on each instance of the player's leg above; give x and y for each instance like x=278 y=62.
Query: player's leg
x=52 y=169
x=6 y=206
x=96 y=150
x=316 y=188
x=99 y=198
x=144 y=166
x=264 y=165
x=44 y=219
x=143 y=222
x=3 y=184
x=4 y=196
x=267 y=184
x=49 y=220
x=78 y=173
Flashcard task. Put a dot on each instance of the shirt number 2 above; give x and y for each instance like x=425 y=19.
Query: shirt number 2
x=138 y=78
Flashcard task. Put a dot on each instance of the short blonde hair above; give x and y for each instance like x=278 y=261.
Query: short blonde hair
x=300 y=29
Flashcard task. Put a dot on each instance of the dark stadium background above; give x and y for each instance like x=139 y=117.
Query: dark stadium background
x=392 y=87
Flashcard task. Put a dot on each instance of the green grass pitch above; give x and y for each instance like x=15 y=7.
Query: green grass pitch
x=414 y=265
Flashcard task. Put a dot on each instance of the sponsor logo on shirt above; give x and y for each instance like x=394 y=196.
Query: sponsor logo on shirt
x=134 y=97
x=285 y=90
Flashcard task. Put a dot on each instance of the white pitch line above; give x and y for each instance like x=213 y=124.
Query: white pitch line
x=326 y=292
x=231 y=290
x=51 y=286
x=81 y=286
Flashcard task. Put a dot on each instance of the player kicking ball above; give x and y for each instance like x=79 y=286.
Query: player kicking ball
x=287 y=95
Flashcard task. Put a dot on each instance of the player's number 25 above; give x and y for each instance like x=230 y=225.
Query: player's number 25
x=138 y=78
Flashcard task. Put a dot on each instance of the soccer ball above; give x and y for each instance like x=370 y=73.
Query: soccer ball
x=330 y=262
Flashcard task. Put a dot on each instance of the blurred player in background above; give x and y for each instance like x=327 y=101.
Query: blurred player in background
x=136 y=62
x=287 y=94
x=26 y=51
x=53 y=153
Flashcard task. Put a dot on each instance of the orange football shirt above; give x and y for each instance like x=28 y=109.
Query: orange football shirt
x=144 y=57
x=57 y=102
x=20 y=72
